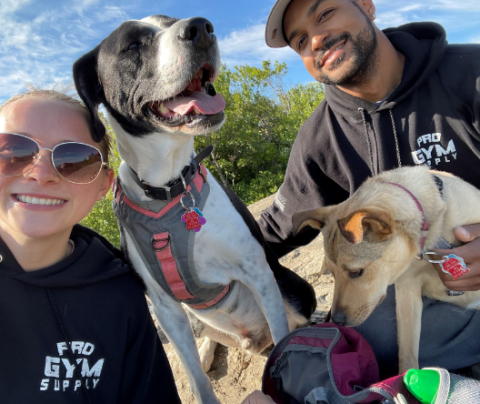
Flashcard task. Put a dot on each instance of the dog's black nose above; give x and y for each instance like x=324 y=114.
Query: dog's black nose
x=199 y=31
x=339 y=317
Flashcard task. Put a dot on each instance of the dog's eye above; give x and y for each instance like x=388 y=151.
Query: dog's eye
x=356 y=274
x=133 y=45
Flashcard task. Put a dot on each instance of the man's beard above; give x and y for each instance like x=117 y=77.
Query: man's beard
x=364 y=49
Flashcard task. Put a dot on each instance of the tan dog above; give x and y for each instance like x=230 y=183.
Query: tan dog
x=373 y=239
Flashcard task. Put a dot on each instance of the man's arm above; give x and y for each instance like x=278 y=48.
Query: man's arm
x=460 y=73
x=306 y=186
x=464 y=88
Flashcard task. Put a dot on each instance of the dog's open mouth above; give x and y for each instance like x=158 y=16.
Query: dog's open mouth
x=197 y=101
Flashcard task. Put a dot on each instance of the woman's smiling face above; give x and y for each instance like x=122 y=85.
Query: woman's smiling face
x=49 y=122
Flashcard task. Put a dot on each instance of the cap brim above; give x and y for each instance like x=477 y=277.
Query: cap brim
x=274 y=28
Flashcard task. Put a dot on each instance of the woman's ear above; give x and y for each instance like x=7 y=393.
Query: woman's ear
x=106 y=183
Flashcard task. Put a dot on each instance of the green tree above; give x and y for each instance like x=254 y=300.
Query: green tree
x=263 y=117
x=101 y=218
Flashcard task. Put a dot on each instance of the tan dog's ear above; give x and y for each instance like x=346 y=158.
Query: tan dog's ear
x=314 y=218
x=371 y=225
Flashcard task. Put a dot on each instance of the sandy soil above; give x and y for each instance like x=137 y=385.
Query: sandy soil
x=235 y=374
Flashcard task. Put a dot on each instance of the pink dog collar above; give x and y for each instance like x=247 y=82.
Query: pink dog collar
x=425 y=223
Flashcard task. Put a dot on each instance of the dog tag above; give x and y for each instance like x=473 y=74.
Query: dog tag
x=194 y=219
x=454 y=265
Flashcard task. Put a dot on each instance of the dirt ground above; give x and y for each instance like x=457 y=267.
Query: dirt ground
x=235 y=374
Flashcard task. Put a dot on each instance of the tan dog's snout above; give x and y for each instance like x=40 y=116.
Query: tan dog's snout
x=339 y=317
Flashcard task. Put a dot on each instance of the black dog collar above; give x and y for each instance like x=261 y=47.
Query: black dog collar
x=174 y=187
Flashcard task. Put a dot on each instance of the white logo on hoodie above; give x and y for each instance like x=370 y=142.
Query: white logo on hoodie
x=431 y=152
x=61 y=372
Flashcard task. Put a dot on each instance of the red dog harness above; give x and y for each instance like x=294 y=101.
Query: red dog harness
x=166 y=246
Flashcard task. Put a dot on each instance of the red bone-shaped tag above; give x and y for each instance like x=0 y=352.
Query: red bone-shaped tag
x=454 y=265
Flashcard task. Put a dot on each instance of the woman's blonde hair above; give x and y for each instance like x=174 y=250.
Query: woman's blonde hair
x=62 y=93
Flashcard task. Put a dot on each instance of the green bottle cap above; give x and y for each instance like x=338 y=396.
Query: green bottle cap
x=423 y=384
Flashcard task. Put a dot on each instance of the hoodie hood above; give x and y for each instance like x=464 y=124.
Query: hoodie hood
x=81 y=268
x=423 y=44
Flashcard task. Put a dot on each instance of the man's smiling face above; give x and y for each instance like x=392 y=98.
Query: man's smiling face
x=336 y=39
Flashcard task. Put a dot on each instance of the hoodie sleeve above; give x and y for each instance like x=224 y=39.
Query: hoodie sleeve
x=305 y=187
x=147 y=377
x=460 y=73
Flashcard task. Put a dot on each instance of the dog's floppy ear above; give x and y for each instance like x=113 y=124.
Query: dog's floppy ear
x=371 y=225
x=314 y=218
x=90 y=89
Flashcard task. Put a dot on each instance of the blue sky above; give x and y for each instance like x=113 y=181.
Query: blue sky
x=40 y=39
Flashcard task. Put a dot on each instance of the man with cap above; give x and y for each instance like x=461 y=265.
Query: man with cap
x=401 y=96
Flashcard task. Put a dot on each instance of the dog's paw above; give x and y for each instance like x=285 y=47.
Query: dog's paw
x=207 y=353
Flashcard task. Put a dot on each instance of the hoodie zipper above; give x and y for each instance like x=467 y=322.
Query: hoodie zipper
x=395 y=134
x=369 y=143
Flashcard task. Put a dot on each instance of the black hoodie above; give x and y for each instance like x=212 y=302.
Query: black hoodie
x=432 y=118
x=93 y=301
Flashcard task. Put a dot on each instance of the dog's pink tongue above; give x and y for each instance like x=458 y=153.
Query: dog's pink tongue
x=206 y=104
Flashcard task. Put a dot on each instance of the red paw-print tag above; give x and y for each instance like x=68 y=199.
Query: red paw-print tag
x=454 y=265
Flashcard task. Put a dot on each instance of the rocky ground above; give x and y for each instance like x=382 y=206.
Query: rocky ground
x=234 y=374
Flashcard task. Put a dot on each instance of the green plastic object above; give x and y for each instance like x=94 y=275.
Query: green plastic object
x=423 y=384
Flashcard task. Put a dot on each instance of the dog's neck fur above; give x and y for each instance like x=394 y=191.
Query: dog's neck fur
x=156 y=158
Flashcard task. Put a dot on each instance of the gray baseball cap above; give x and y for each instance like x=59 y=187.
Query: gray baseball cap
x=274 y=29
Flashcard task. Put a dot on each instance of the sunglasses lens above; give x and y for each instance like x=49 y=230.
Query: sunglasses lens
x=78 y=163
x=16 y=154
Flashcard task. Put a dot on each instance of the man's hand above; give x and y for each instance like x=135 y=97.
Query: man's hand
x=257 y=397
x=470 y=252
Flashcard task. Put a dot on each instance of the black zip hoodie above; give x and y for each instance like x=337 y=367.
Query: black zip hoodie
x=432 y=118
x=91 y=300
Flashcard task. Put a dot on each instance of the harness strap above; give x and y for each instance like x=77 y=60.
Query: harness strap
x=225 y=290
x=163 y=251
x=198 y=181
x=161 y=245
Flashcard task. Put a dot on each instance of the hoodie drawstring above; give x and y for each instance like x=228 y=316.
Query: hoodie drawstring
x=67 y=341
x=370 y=153
x=397 y=147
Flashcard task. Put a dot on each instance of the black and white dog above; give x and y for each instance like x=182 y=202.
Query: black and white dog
x=154 y=77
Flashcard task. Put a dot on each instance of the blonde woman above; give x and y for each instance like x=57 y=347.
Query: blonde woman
x=75 y=325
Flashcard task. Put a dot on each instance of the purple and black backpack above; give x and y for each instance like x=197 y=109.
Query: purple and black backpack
x=330 y=364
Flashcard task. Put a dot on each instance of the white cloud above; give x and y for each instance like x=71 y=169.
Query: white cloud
x=411 y=7
x=464 y=5
x=471 y=6
x=454 y=15
x=248 y=46
x=10 y=6
x=42 y=50
x=390 y=19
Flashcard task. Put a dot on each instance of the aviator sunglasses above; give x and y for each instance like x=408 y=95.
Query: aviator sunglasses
x=78 y=163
